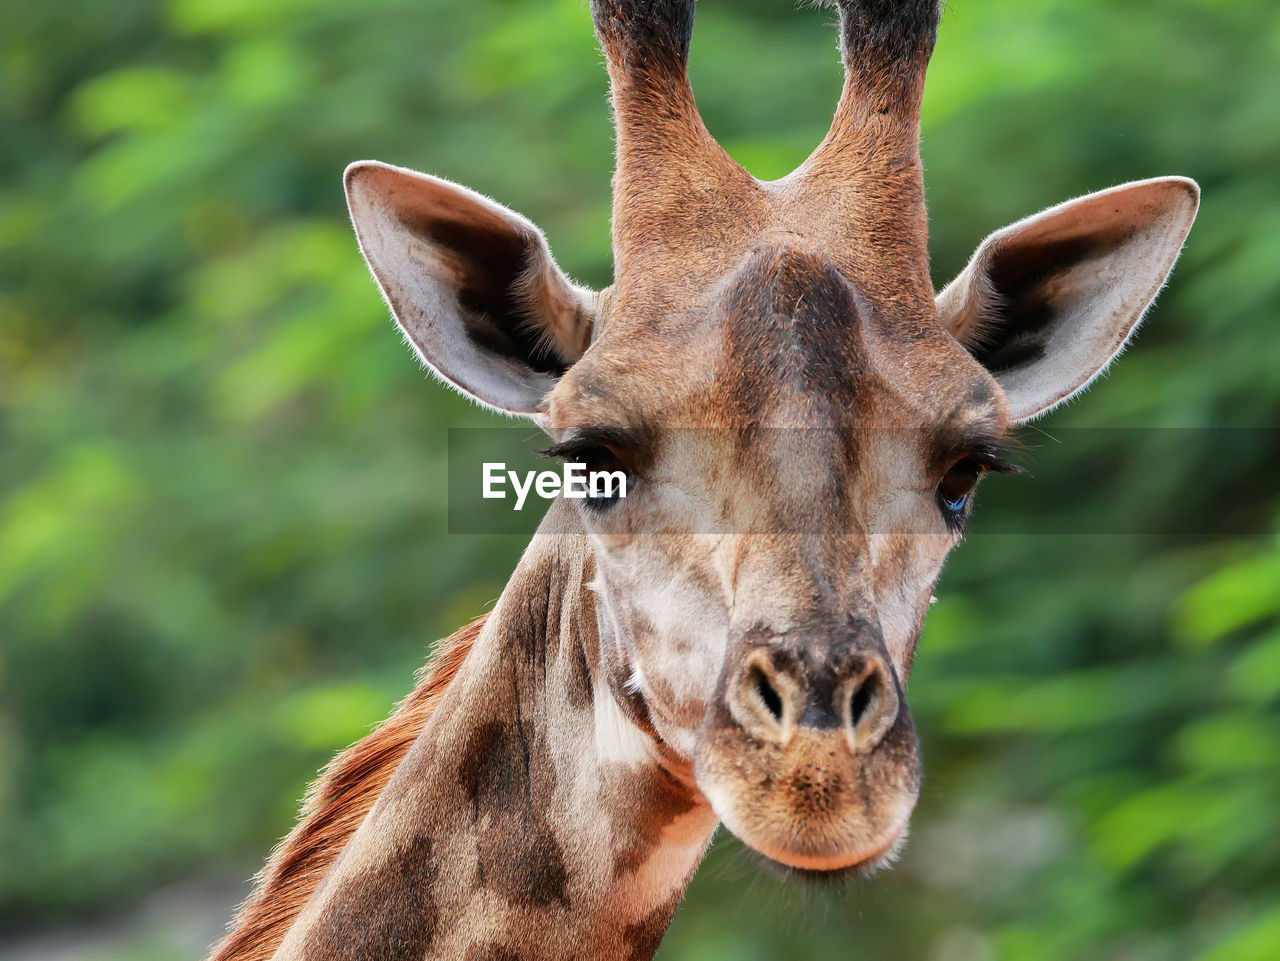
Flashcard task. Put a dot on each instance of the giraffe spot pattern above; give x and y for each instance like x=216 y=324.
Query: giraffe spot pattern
x=393 y=905
x=511 y=782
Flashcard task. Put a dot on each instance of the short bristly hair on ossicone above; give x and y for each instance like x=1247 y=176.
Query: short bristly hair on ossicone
x=672 y=178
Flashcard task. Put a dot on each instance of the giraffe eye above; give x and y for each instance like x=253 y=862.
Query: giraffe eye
x=598 y=459
x=957 y=485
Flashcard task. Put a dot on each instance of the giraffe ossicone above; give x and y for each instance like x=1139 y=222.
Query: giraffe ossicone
x=728 y=644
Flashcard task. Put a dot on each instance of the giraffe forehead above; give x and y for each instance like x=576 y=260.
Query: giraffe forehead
x=793 y=332
x=801 y=337
x=784 y=337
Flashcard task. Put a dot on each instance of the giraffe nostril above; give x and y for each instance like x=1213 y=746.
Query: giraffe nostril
x=863 y=697
x=768 y=693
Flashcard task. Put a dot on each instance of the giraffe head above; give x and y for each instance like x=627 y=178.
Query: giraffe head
x=801 y=419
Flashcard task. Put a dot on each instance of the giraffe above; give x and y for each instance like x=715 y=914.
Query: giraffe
x=803 y=423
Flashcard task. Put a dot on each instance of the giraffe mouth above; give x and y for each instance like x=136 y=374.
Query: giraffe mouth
x=813 y=807
x=831 y=868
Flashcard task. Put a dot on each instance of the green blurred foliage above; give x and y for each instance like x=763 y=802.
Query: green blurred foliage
x=223 y=539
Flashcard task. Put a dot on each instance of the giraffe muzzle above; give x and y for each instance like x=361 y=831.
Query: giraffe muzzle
x=811 y=758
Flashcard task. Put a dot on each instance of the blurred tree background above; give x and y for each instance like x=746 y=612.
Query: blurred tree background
x=223 y=543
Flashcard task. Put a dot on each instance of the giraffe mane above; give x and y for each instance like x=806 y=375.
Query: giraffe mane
x=335 y=805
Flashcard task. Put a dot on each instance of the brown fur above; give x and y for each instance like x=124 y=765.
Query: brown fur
x=336 y=804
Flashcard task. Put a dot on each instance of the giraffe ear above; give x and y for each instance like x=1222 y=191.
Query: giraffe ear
x=1046 y=303
x=472 y=285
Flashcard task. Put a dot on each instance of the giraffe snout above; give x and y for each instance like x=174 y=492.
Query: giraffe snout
x=852 y=692
x=808 y=753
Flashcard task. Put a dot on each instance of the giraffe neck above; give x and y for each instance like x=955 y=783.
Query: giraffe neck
x=533 y=818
